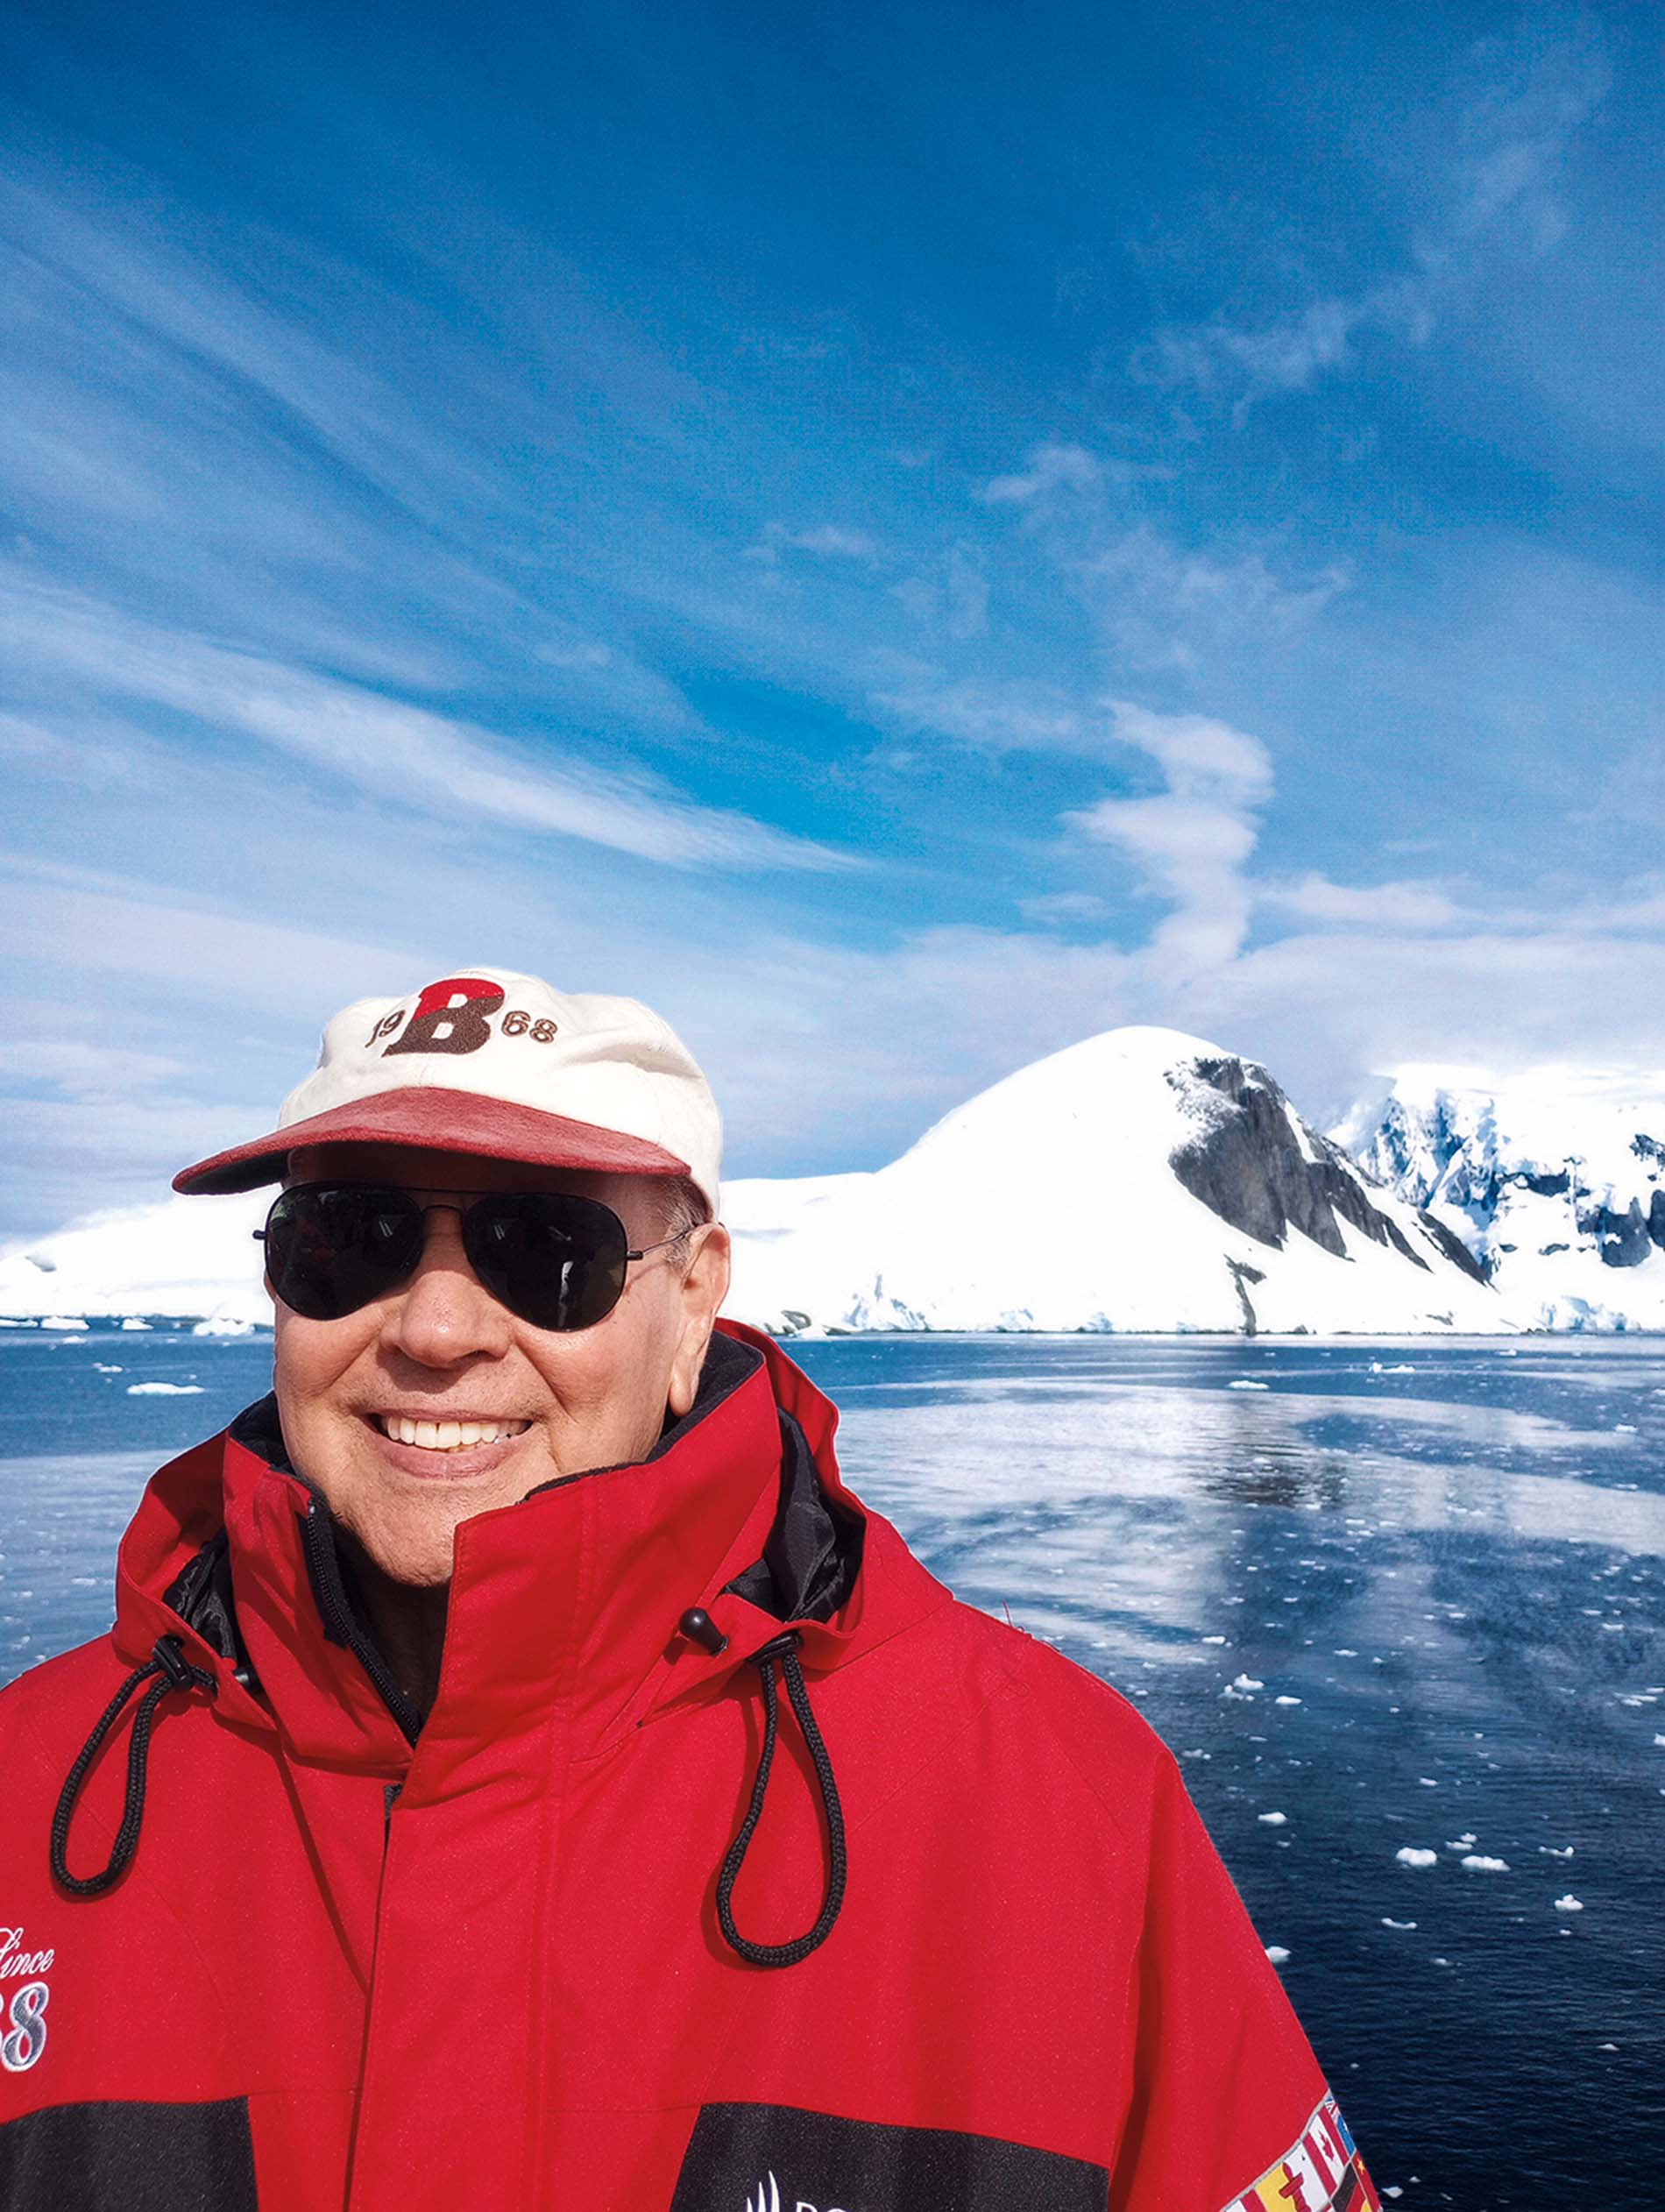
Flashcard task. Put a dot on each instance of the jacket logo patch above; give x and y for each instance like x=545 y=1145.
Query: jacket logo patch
x=738 y=2153
x=24 y=1998
x=1320 y=2170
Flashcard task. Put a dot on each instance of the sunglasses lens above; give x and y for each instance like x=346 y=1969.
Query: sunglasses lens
x=555 y=1260
x=332 y=1248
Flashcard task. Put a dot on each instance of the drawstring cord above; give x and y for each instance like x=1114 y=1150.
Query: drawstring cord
x=784 y=1955
x=173 y=1670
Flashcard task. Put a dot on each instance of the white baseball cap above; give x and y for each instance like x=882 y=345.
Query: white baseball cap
x=485 y=1061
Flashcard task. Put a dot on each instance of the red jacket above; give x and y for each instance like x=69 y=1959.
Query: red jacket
x=487 y=1968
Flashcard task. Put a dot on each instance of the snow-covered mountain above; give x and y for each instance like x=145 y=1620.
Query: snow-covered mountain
x=1555 y=1183
x=1141 y=1179
x=176 y=1259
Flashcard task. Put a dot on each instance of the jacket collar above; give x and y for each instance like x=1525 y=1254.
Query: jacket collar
x=572 y=1597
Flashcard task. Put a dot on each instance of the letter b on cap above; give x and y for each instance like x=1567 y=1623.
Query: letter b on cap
x=449 y=1018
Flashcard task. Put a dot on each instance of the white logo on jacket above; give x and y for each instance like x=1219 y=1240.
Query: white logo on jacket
x=23 y=2014
x=767 y=2197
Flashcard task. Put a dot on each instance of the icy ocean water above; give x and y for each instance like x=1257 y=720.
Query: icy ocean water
x=1406 y=1596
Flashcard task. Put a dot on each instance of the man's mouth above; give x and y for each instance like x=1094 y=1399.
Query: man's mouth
x=447 y=1436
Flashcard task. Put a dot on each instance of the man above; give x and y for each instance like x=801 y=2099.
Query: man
x=522 y=1776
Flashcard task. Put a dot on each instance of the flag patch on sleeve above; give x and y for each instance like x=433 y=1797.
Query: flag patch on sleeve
x=1322 y=2171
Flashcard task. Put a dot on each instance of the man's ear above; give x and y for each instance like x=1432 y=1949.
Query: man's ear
x=705 y=1286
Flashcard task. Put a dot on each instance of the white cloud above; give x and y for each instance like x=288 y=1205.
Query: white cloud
x=1191 y=843
x=1371 y=906
x=1063 y=906
x=1164 y=605
x=1051 y=468
x=839 y=543
x=1011 y=716
x=1515 y=130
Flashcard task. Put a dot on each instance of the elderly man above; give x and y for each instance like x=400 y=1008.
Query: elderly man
x=431 y=1831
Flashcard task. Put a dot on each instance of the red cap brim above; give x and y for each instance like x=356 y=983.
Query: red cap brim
x=445 y=1121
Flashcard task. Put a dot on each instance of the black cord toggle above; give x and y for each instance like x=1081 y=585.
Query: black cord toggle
x=699 y=1627
x=783 y=1648
x=166 y=1671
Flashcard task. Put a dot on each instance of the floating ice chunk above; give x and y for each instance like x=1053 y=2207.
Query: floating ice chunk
x=1285 y=1701
x=102 y=1367
x=1343 y=1652
x=1466 y=1842
x=61 y=1321
x=1570 y=1904
x=1409 y=1855
x=1659 y=1743
x=1476 y=1863
x=1279 y=1953
x=1273 y=1820
x=164 y=1390
x=1247 y=1682
x=1427 y=1781
x=131 y=1321
x=1386 y=1922
x=1213 y=1639
x=1550 y=1852
x=1241 y=1384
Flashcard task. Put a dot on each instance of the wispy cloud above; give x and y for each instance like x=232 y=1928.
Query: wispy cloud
x=1535 y=90
x=402 y=753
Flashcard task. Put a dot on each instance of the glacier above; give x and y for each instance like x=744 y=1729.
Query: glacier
x=1554 y=1180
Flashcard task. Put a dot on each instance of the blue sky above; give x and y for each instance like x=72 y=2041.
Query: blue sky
x=903 y=537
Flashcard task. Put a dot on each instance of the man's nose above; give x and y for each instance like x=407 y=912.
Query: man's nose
x=445 y=1314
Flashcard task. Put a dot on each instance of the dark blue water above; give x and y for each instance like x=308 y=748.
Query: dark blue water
x=1406 y=1596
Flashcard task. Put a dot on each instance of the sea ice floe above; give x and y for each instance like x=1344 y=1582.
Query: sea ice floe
x=1570 y=1904
x=1476 y=1863
x=102 y=1367
x=1409 y=1855
x=1213 y=1639
x=1273 y=1820
x=1427 y=1781
x=1277 y=1953
x=164 y=1390
x=1550 y=1852
x=1466 y=1842
x=1247 y=1682
x=1285 y=1701
x=1243 y=1383
x=1386 y=1922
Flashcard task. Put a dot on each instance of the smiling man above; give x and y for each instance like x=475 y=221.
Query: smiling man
x=475 y=1862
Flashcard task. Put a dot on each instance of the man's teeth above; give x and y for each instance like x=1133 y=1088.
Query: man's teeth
x=449 y=1436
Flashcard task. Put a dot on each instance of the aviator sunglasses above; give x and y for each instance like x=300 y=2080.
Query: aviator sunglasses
x=553 y=1260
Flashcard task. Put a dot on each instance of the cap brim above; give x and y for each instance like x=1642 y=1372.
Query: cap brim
x=442 y=1121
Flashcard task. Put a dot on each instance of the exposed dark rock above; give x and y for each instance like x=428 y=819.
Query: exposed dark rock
x=1622 y=1239
x=1657 y=1219
x=1242 y=1273
x=1453 y=1246
x=1546 y=1186
x=1248 y=1164
x=1646 y=1147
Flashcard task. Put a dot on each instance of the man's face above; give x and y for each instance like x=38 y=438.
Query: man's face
x=440 y=1348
